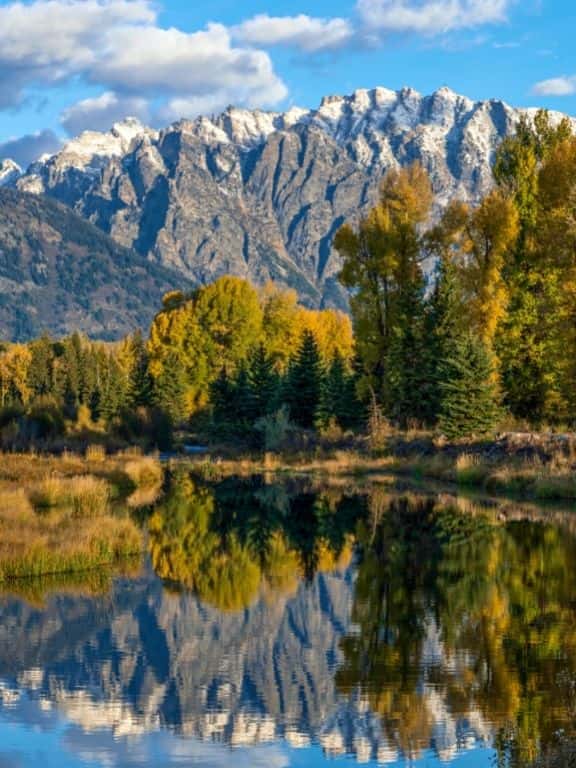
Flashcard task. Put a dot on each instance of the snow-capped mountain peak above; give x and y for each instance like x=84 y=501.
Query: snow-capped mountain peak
x=10 y=172
x=261 y=194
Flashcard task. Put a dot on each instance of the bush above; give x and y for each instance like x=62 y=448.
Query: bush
x=275 y=429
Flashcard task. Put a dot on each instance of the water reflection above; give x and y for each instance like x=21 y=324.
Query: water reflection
x=295 y=624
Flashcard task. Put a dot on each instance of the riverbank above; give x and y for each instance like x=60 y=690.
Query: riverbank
x=70 y=514
x=529 y=465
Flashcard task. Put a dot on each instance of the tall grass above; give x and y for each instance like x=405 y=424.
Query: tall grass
x=90 y=496
x=144 y=472
x=33 y=544
x=85 y=494
x=96 y=453
x=62 y=525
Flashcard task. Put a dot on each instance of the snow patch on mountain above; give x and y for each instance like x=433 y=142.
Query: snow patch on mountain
x=261 y=194
x=10 y=172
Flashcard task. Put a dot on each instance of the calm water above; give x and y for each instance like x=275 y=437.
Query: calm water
x=294 y=626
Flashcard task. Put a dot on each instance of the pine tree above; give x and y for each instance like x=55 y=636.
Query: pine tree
x=303 y=385
x=40 y=376
x=242 y=401
x=443 y=329
x=406 y=384
x=170 y=388
x=468 y=398
x=112 y=389
x=262 y=384
x=339 y=400
x=140 y=384
x=223 y=400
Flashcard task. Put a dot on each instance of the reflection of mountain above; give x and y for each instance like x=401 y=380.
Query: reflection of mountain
x=143 y=659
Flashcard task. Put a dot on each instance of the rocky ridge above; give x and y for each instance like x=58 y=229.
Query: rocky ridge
x=261 y=194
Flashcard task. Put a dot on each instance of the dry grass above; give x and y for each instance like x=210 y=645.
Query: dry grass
x=96 y=453
x=90 y=496
x=56 y=514
x=144 y=472
x=332 y=463
x=531 y=477
x=58 y=540
x=51 y=491
x=84 y=494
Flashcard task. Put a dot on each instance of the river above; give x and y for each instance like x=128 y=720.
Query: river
x=298 y=624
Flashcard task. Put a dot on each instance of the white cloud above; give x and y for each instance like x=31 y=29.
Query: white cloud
x=430 y=17
x=25 y=149
x=49 y=41
x=306 y=33
x=119 y=45
x=556 y=86
x=159 y=61
x=101 y=112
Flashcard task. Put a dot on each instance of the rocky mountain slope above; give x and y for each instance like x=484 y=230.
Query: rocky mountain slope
x=59 y=273
x=262 y=194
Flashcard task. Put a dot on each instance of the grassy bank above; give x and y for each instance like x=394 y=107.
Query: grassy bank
x=531 y=466
x=69 y=514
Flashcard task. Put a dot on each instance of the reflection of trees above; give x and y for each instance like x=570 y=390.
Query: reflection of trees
x=231 y=541
x=452 y=605
x=502 y=599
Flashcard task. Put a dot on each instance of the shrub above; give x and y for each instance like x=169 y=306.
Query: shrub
x=275 y=429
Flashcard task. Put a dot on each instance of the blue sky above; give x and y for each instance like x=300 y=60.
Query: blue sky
x=69 y=65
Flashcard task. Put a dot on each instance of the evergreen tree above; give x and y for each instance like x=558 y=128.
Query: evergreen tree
x=242 y=401
x=170 y=388
x=406 y=385
x=223 y=400
x=140 y=384
x=443 y=329
x=468 y=397
x=40 y=373
x=111 y=389
x=304 y=381
x=262 y=385
x=339 y=400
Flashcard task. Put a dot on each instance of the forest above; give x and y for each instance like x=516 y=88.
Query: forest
x=463 y=318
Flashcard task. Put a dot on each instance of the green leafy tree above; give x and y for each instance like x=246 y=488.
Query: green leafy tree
x=381 y=266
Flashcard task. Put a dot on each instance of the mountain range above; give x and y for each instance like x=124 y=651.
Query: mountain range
x=261 y=194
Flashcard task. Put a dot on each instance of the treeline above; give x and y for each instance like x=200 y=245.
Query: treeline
x=495 y=332
x=227 y=358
